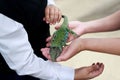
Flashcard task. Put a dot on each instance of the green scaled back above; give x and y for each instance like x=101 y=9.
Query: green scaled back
x=59 y=39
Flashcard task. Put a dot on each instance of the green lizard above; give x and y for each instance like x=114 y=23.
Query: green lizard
x=59 y=39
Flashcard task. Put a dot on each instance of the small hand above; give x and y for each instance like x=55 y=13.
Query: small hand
x=76 y=26
x=52 y=14
x=45 y=52
x=77 y=45
x=89 y=72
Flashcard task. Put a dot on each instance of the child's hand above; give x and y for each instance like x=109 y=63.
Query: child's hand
x=89 y=72
x=45 y=52
x=76 y=46
x=76 y=26
x=52 y=14
x=69 y=51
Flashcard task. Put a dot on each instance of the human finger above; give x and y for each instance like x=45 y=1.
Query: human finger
x=49 y=39
x=47 y=16
x=45 y=52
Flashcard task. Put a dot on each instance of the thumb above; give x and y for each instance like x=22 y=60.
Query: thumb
x=63 y=57
x=67 y=53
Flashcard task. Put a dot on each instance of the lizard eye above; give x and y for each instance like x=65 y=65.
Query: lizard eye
x=53 y=38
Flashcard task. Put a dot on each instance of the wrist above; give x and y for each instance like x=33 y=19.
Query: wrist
x=83 y=28
x=76 y=77
x=83 y=44
x=89 y=43
x=87 y=27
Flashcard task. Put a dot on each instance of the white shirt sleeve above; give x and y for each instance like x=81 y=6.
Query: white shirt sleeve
x=17 y=52
x=50 y=2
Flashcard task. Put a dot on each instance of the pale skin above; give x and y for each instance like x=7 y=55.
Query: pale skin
x=53 y=14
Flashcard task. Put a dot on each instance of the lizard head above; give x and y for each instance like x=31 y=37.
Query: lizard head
x=55 y=52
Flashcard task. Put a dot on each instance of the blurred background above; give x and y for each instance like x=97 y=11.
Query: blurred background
x=85 y=10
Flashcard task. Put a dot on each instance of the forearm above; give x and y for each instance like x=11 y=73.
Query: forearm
x=109 y=23
x=105 y=45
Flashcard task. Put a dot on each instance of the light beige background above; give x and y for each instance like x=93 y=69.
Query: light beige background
x=85 y=10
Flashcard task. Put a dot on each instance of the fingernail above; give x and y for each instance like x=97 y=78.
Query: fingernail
x=93 y=64
x=98 y=63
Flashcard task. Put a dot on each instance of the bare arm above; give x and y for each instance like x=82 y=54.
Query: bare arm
x=109 y=23
x=105 y=45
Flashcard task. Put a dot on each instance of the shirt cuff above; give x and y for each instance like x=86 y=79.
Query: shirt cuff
x=66 y=73
x=62 y=72
x=50 y=2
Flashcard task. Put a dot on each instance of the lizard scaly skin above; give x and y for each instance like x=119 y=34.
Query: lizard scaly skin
x=59 y=39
